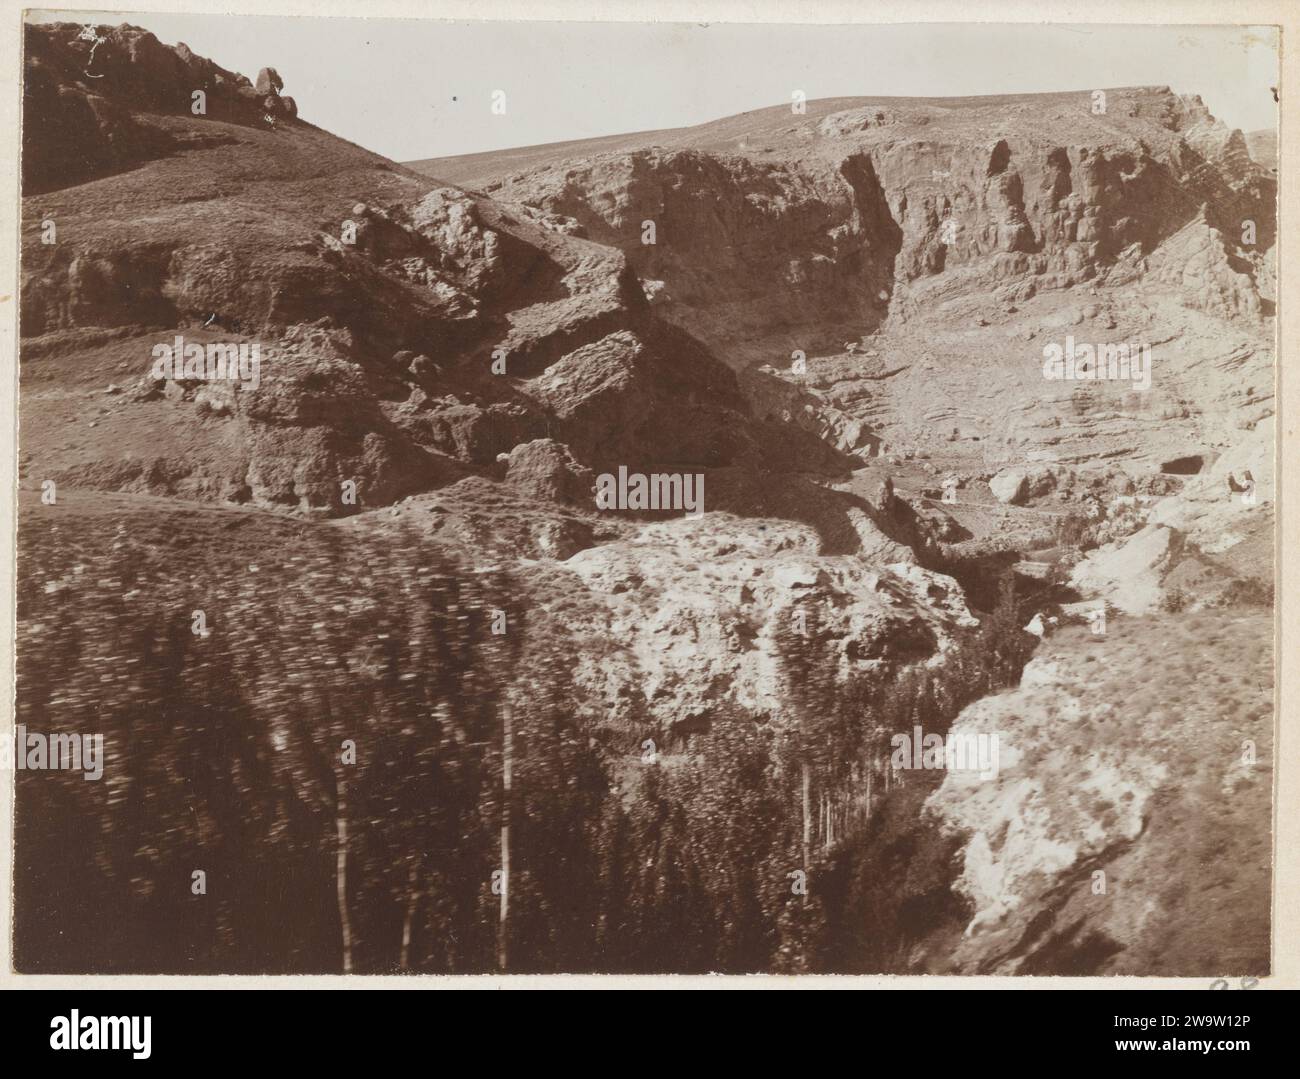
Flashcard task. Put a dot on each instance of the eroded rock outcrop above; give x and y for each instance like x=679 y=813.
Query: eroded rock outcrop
x=836 y=223
x=546 y=471
x=703 y=604
x=86 y=86
x=745 y=250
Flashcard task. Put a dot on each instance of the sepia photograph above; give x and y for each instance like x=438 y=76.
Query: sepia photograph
x=644 y=498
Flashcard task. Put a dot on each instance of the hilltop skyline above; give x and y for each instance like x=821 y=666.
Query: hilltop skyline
x=566 y=81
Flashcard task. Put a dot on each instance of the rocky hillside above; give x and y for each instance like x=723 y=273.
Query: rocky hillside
x=839 y=327
x=905 y=262
x=1116 y=790
x=409 y=332
x=777 y=229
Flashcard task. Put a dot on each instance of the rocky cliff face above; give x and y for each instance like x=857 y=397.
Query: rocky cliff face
x=809 y=229
x=741 y=253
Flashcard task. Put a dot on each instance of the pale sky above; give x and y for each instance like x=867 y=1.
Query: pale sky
x=413 y=89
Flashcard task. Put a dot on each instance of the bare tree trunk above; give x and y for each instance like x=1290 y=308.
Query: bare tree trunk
x=412 y=898
x=507 y=749
x=807 y=822
x=341 y=826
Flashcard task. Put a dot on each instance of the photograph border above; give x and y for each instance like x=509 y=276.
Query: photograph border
x=1286 y=802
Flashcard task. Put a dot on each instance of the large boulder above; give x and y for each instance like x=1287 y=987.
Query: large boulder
x=1040 y=481
x=269 y=81
x=545 y=470
x=847 y=434
x=1127 y=572
x=1010 y=486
